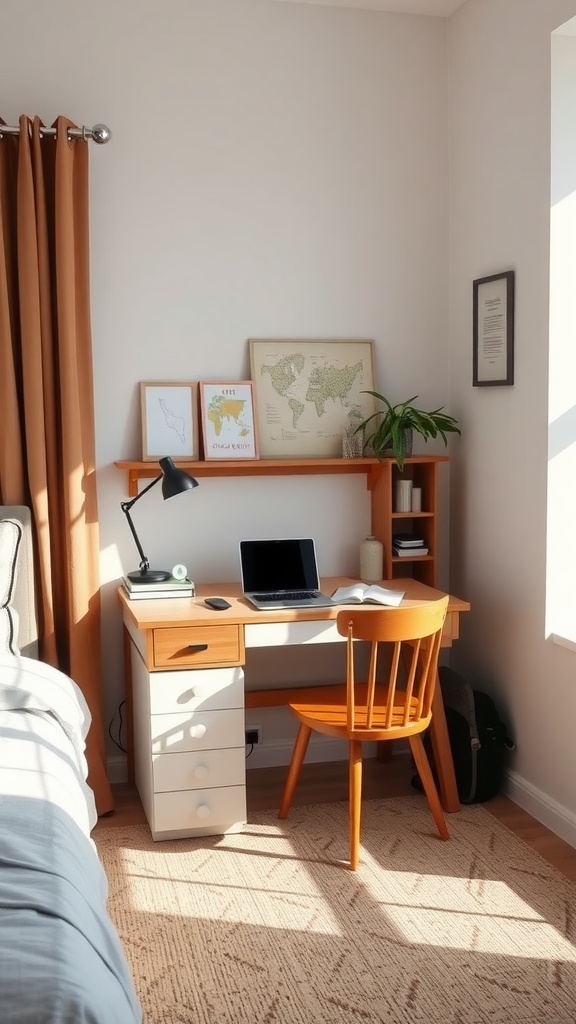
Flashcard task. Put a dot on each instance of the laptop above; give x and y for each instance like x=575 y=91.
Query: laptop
x=281 y=574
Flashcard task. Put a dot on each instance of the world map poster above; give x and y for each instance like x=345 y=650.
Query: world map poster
x=228 y=427
x=309 y=393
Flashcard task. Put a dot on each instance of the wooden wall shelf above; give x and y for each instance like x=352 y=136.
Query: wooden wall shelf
x=381 y=476
x=269 y=467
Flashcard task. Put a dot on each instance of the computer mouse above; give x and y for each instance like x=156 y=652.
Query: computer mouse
x=217 y=603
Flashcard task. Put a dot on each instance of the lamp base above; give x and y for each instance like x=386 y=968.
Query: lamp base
x=150 y=576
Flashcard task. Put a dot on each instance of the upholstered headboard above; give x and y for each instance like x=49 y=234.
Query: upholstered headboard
x=18 y=622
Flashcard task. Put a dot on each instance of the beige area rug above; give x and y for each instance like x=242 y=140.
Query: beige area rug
x=269 y=926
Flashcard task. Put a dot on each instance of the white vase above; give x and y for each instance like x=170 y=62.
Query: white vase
x=371 y=560
x=403 y=496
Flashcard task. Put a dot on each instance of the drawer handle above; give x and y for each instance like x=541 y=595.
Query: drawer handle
x=198 y=731
x=197 y=647
x=203 y=811
x=201 y=771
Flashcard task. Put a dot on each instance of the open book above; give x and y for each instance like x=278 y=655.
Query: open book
x=362 y=593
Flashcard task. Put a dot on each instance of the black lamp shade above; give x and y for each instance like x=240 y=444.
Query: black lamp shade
x=174 y=480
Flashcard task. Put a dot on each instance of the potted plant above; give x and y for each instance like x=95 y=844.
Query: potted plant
x=393 y=426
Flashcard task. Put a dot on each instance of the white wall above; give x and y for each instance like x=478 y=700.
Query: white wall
x=275 y=170
x=499 y=58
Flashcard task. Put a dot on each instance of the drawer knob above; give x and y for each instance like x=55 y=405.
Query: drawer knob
x=198 y=731
x=203 y=811
x=197 y=647
x=201 y=771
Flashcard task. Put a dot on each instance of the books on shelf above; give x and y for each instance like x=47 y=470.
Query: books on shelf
x=416 y=552
x=362 y=593
x=166 y=588
x=407 y=540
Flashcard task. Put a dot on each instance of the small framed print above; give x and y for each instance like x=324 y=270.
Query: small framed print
x=228 y=422
x=493 y=330
x=169 y=420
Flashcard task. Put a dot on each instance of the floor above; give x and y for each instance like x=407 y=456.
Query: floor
x=320 y=783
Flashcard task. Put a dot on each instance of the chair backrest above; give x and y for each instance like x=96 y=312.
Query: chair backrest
x=412 y=637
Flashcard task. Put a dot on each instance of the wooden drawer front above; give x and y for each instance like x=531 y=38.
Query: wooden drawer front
x=205 y=689
x=205 y=730
x=200 y=811
x=202 y=645
x=199 y=770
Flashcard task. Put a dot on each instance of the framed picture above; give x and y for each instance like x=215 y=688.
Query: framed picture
x=309 y=393
x=493 y=330
x=169 y=419
x=228 y=423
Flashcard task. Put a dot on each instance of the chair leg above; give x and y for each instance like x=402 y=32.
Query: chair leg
x=298 y=755
x=427 y=779
x=354 y=799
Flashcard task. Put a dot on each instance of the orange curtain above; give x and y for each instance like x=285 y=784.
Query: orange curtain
x=47 y=449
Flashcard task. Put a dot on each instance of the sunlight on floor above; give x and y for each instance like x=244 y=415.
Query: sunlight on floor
x=445 y=911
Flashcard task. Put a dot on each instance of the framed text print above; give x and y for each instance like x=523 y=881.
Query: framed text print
x=228 y=423
x=309 y=394
x=493 y=330
x=169 y=420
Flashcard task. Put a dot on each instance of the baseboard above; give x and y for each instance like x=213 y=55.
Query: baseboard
x=549 y=812
x=320 y=749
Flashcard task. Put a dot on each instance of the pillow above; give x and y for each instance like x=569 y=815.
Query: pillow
x=11 y=533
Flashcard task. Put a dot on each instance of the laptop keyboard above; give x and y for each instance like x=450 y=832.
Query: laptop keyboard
x=298 y=595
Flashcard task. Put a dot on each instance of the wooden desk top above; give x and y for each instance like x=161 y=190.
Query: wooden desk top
x=166 y=612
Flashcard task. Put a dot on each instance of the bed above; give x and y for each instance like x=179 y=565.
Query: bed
x=61 y=961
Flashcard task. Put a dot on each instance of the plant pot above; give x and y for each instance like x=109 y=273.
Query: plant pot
x=407 y=439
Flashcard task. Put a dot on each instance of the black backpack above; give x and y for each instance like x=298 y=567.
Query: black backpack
x=478 y=738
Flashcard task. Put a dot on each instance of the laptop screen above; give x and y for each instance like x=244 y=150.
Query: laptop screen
x=278 y=565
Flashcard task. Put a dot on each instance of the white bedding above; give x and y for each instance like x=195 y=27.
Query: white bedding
x=61 y=961
x=52 y=709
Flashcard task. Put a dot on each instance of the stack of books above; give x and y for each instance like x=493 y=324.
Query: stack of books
x=408 y=545
x=172 y=587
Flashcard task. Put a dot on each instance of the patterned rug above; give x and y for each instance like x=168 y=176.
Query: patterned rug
x=270 y=927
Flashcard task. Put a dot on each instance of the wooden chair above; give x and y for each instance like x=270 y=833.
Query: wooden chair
x=376 y=711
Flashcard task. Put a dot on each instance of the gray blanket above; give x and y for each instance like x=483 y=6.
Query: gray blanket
x=61 y=961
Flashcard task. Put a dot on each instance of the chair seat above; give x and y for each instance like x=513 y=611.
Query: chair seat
x=326 y=712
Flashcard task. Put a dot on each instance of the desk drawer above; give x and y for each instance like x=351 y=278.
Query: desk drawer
x=200 y=812
x=187 y=646
x=206 y=689
x=203 y=730
x=208 y=769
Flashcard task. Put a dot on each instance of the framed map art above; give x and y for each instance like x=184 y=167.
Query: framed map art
x=228 y=426
x=308 y=393
x=169 y=419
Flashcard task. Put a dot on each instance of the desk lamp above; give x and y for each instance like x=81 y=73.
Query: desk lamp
x=174 y=481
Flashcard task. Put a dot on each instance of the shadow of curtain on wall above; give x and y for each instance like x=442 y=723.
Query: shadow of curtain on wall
x=47 y=449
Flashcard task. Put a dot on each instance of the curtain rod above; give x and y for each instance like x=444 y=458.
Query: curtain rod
x=100 y=133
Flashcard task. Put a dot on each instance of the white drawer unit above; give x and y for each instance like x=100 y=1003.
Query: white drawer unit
x=189 y=749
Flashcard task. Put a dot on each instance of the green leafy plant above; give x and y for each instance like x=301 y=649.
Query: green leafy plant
x=389 y=425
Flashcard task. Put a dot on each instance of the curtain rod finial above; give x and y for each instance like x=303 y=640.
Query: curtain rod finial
x=101 y=133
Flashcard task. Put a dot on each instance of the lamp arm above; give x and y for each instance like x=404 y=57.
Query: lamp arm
x=126 y=506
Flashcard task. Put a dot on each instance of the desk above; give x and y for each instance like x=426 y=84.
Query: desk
x=185 y=698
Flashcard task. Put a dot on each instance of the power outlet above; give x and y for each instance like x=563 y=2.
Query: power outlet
x=253 y=736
